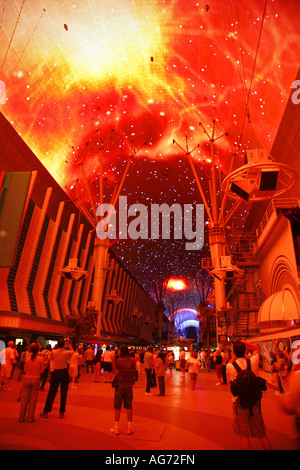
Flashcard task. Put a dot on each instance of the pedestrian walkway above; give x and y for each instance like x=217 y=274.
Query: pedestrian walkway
x=182 y=420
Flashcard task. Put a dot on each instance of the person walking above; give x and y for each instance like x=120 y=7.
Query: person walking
x=59 y=377
x=182 y=363
x=203 y=359
x=273 y=366
x=33 y=369
x=171 y=362
x=225 y=358
x=15 y=359
x=247 y=421
x=75 y=362
x=97 y=368
x=89 y=358
x=22 y=364
x=45 y=354
x=108 y=356
x=125 y=372
x=282 y=371
x=7 y=357
x=148 y=363
x=217 y=357
x=194 y=368
x=161 y=366
x=153 y=373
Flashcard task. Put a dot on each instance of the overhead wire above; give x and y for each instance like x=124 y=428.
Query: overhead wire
x=2 y=14
x=12 y=36
x=247 y=94
x=28 y=42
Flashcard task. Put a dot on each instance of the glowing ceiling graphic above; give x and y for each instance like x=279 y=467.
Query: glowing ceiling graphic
x=174 y=284
x=122 y=73
x=184 y=318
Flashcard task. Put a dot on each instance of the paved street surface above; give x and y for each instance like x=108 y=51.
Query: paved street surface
x=183 y=420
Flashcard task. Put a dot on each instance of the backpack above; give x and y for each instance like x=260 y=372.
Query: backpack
x=247 y=386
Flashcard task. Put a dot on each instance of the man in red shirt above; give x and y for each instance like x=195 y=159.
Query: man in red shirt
x=126 y=372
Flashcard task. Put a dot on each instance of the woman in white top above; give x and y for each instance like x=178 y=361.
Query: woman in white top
x=75 y=362
x=194 y=368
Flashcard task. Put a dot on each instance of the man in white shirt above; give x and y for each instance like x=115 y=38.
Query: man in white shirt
x=245 y=422
x=108 y=356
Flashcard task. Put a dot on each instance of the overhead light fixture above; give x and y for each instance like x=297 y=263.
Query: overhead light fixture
x=260 y=179
x=114 y=296
x=239 y=191
x=268 y=180
x=257 y=155
x=227 y=270
x=136 y=313
x=73 y=272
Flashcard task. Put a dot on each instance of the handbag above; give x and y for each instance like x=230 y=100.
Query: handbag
x=115 y=382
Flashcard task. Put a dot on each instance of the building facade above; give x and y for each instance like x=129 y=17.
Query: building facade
x=267 y=298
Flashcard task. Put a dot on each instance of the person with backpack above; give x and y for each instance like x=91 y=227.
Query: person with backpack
x=246 y=389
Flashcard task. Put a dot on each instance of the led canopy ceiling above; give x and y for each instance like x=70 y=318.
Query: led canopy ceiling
x=83 y=77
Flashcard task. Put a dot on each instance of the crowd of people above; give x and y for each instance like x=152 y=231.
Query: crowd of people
x=62 y=367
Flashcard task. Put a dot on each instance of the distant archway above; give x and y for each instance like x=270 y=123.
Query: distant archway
x=185 y=318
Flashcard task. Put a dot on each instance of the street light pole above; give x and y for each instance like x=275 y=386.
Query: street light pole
x=101 y=246
x=101 y=250
x=216 y=227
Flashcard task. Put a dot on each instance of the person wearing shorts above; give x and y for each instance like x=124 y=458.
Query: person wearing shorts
x=107 y=364
x=126 y=372
x=247 y=422
x=171 y=362
x=6 y=360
